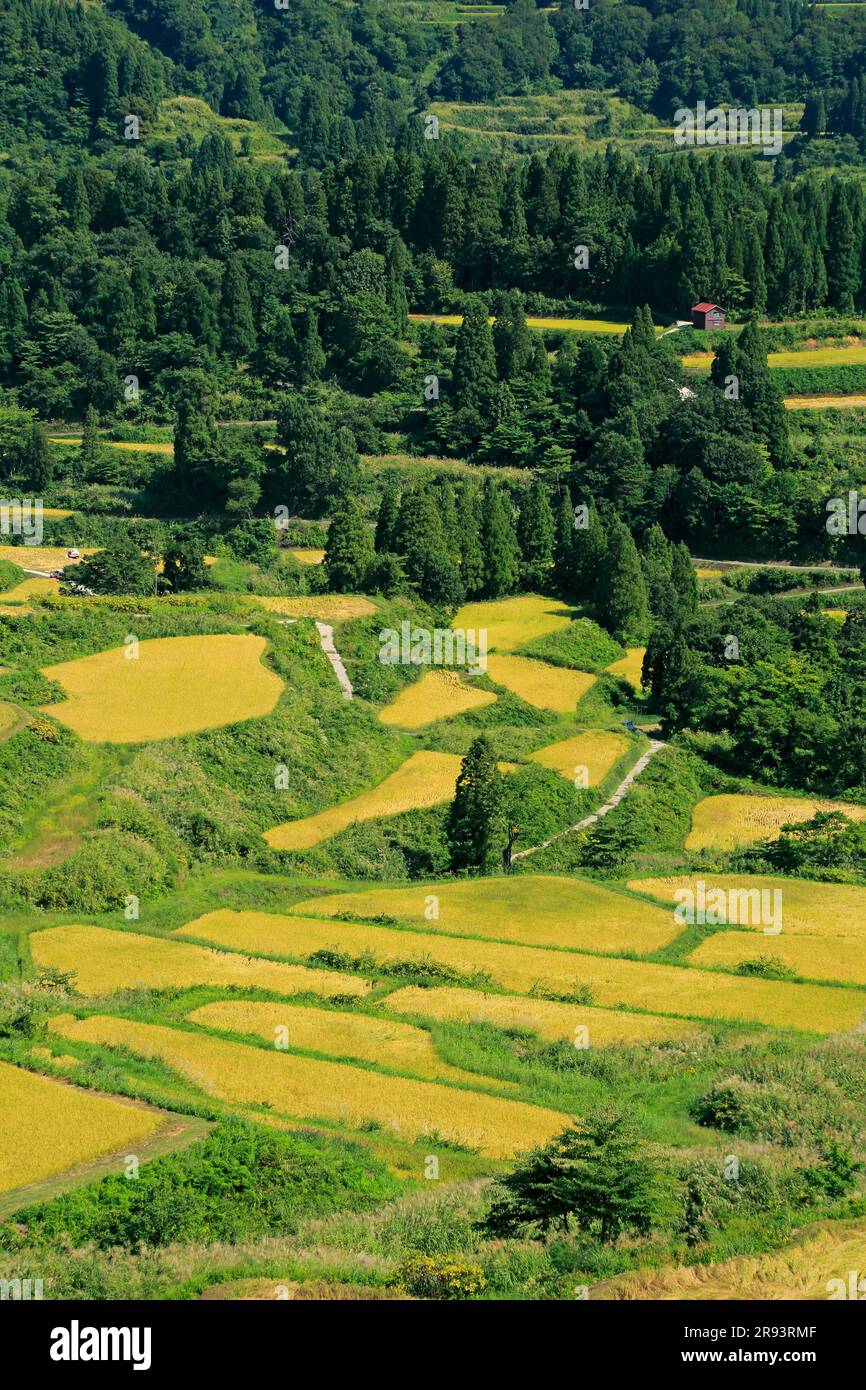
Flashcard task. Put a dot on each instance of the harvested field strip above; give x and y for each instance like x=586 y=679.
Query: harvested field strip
x=801 y=1271
x=596 y=750
x=349 y=1036
x=663 y=989
x=173 y=686
x=425 y=779
x=550 y=1021
x=62 y=1127
x=513 y=622
x=305 y=1087
x=43 y=557
x=813 y=957
x=331 y=608
x=808 y=909
x=629 y=667
x=730 y=820
x=540 y=685
x=105 y=961
x=534 y=909
x=437 y=695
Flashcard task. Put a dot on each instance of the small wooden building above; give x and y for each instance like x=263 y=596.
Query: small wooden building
x=707 y=316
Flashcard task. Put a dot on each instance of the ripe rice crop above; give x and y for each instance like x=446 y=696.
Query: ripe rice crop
x=822 y=957
x=437 y=695
x=545 y=687
x=307 y=1088
x=513 y=622
x=329 y=608
x=29 y=589
x=837 y=614
x=425 y=779
x=629 y=667
x=534 y=909
x=730 y=820
x=174 y=686
x=808 y=909
x=806 y=357
x=661 y=989
x=595 y=749
x=559 y=324
x=548 y=1020
x=703 y=572
x=47 y=1127
x=308 y=557
x=104 y=961
x=344 y=1035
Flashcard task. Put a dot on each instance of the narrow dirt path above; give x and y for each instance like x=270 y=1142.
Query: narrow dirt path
x=656 y=745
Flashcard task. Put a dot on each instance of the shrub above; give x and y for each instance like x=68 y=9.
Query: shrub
x=441 y=1277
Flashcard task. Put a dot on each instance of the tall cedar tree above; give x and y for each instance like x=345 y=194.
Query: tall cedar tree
x=621 y=592
x=349 y=548
x=474 y=825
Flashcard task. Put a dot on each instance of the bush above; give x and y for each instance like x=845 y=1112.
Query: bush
x=239 y=1181
x=441 y=1277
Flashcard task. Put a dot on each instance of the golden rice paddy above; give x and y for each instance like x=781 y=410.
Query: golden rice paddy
x=629 y=667
x=42 y=557
x=805 y=357
x=425 y=779
x=558 y=324
x=548 y=1020
x=396 y=1045
x=825 y=402
x=310 y=556
x=808 y=909
x=837 y=614
x=730 y=820
x=534 y=909
x=703 y=572
x=437 y=695
x=129 y=446
x=661 y=989
x=305 y=1087
x=814 y=957
x=104 y=961
x=47 y=1126
x=174 y=686
x=545 y=687
x=329 y=608
x=512 y=622
x=29 y=589
x=597 y=750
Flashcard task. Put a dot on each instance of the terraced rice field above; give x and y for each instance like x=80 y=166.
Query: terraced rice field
x=606 y=326
x=825 y=402
x=129 y=446
x=545 y=687
x=397 y=1046
x=62 y=1126
x=513 y=622
x=437 y=695
x=307 y=1088
x=813 y=957
x=629 y=667
x=329 y=608
x=808 y=908
x=597 y=750
x=802 y=1271
x=104 y=961
x=28 y=589
x=42 y=557
x=308 y=557
x=704 y=573
x=549 y=1021
x=837 y=614
x=535 y=909
x=730 y=820
x=658 y=989
x=425 y=779
x=175 y=686
x=806 y=357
